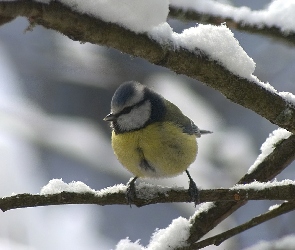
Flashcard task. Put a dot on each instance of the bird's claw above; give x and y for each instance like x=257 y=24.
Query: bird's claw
x=193 y=190
x=131 y=191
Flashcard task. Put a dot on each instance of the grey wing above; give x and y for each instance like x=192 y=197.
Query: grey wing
x=175 y=115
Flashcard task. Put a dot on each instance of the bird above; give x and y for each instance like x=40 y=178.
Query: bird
x=151 y=137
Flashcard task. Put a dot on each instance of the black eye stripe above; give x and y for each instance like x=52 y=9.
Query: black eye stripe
x=128 y=109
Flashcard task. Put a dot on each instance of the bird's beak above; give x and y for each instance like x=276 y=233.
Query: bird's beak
x=110 y=117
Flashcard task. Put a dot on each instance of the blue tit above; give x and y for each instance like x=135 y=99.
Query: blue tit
x=151 y=137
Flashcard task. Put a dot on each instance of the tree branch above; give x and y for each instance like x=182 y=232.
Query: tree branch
x=273 y=164
x=197 y=65
x=190 y=15
x=146 y=195
x=219 y=238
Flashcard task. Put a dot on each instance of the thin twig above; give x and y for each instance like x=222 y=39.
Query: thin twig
x=219 y=238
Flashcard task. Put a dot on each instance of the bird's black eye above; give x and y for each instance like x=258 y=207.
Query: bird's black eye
x=126 y=110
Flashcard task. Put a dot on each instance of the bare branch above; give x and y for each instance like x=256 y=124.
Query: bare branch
x=197 y=65
x=219 y=238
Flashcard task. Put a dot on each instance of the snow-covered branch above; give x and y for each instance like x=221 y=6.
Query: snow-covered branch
x=207 y=53
x=171 y=51
x=146 y=194
x=263 y=22
x=272 y=213
x=206 y=219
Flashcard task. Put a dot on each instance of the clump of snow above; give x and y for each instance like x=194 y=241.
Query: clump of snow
x=114 y=189
x=274 y=207
x=220 y=44
x=217 y=41
x=279 y=13
x=262 y=185
x=285 y=243
x=204 y=207
x=126 y=244
x=57 y=186
x=269 y=145
x=162 y=33
x=289 y=97
x=174 y=236
x=139 y=15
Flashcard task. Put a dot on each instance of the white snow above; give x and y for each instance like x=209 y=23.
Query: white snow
x=139 y=15
x=150 y=16
x=289 y=97
x=204 y=207
x=265 y=85
x=114 y=189
x=57 y=186
x=274 y=207
x=144 y=190
x=263 y=185
x=285 y=243
x=279 y=13
x=269 y=145
x=126 y=244
x=175 y=235
x=217 y=41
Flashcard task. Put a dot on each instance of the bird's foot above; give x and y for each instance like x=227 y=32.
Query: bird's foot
x=193 y=190
x=131 y=192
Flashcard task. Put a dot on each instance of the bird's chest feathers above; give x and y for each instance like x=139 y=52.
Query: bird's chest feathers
x=158 y=150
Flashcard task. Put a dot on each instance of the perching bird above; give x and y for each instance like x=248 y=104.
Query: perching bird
x=151 y=137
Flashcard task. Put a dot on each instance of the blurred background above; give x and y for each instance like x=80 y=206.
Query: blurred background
x=54 y=93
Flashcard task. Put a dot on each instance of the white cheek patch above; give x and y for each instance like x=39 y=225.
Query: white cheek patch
x=137 y=117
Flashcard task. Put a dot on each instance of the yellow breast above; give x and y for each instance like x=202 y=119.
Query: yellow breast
x=158 y=150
